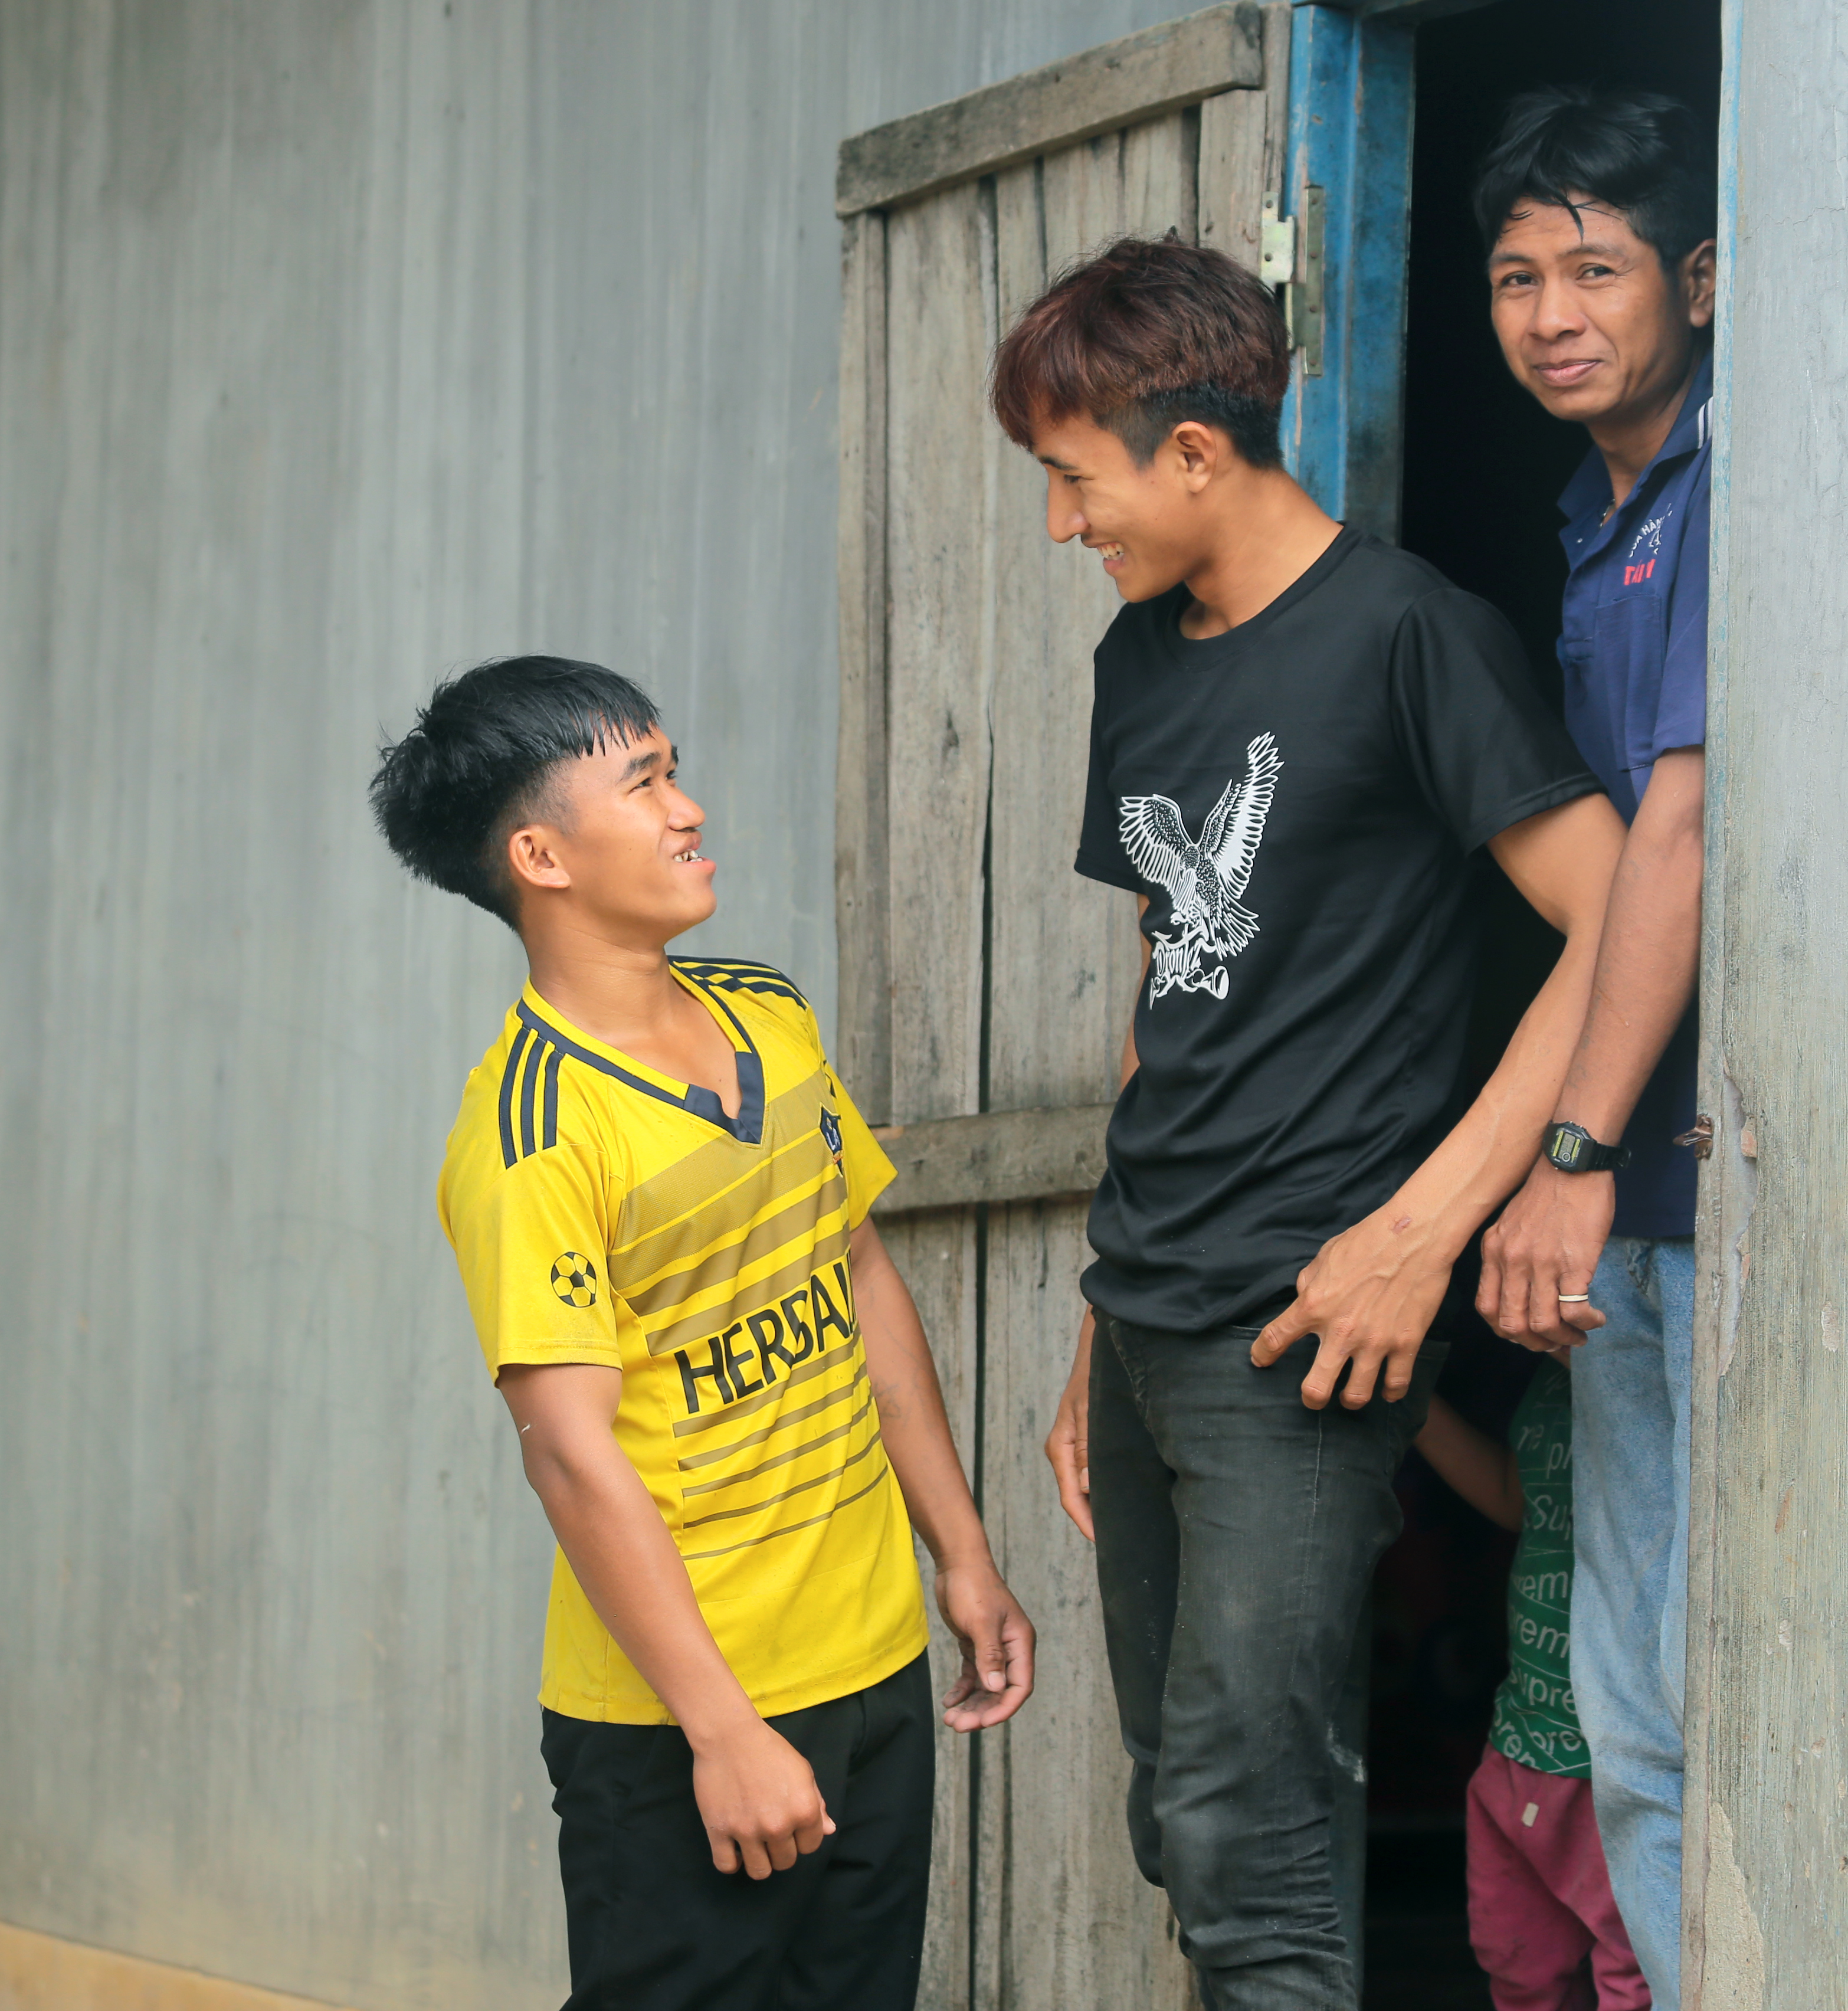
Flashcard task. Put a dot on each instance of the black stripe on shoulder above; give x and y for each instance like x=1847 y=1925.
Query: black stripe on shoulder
x=510 y=1074
x=734 y=975
x=529 y=1095
x=554 y=1057
x=529 y=1099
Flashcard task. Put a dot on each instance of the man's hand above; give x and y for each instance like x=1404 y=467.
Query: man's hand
x=758 y=1799
x=1548 y=1241
x=997 y=1642
x=1371 y=1294
x=1068 y=1444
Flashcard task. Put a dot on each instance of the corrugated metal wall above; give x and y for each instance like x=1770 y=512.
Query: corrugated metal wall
x=341 y=341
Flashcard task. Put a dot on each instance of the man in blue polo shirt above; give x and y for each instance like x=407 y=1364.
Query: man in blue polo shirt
x=1598 y=209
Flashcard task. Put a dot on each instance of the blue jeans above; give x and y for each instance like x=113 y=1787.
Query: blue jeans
x=1632 y=1389
x=1236 y=1535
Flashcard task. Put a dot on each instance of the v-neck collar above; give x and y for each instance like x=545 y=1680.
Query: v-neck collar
x=1589 y=488
x=543 y=1022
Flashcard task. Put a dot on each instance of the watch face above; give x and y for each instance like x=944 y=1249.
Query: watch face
x=1573 y=1150
x=1565 y=1145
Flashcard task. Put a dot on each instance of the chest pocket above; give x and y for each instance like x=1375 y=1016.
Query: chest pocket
x=1630 y=638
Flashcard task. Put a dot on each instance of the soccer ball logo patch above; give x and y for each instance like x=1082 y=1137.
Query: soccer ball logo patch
x=574 y=1279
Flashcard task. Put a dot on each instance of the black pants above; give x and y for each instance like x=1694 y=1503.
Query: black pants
x=651 y=1925
x=1236 y=1535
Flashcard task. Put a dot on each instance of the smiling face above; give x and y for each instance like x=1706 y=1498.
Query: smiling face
x=1144 y=522
x=615 y=847
x=1591 y=321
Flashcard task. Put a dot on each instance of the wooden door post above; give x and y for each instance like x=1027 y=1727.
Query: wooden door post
x=1767 y=1803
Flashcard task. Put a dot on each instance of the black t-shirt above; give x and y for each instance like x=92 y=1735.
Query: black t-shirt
x=1298 y=799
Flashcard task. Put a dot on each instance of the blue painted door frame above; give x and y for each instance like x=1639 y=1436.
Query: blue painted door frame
x=1350 y=101
x=1350 y=80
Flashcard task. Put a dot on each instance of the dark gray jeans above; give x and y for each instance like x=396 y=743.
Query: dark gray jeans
x=1236 y=1535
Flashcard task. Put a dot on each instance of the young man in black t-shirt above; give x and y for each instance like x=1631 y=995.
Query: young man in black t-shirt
x=1300 y=736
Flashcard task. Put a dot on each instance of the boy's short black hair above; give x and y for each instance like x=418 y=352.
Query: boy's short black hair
x=476 y=764
x=1633 y=151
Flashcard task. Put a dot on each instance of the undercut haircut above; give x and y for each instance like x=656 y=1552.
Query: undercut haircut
x=1646 y=156
x=1147 y=335
x=480 y=759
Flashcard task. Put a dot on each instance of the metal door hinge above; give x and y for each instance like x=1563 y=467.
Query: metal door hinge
x=1699 y=1140
x=1277 y=244
x=1289 y=256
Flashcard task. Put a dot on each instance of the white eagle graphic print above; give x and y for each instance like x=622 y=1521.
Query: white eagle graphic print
x=1206 y=879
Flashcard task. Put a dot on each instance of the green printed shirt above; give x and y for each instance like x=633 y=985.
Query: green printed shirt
x=1535 y=1723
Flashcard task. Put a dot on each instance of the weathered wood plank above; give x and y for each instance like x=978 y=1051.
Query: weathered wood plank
x=935 y=1254
x=1054 y=937
x=1062 y=979
x=1001 y=1155
x=1244 y=143
x=942 y=449
x=1161 y=172
x=1064 y=958
x=862 y=1043
x=1232 y=182
x=1768 y=1717
x=1158 y=70
x=1050 y=933
x=1081 y=200
x=1073 y=1923
x=1276 y=93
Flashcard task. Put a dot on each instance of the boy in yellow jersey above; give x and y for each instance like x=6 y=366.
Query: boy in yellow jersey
x=657 y=1191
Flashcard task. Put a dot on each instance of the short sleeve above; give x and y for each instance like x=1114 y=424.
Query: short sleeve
x=1681 y=706
x=1481 y=745
x=868 y=1171
x=533 y=1247
x=1101 y=855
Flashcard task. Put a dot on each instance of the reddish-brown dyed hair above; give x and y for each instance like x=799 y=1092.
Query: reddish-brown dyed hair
x=1143 y=336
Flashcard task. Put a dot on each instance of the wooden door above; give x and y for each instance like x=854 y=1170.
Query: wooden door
x=984 y=987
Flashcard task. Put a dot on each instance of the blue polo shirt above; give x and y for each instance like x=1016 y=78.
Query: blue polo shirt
x=1633 y=648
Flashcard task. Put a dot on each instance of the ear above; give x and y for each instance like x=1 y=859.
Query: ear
x=1199 y=453
x=1700 y=280
x=532 y=857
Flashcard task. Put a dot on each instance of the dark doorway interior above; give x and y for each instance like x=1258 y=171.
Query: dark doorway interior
x=1483 y=464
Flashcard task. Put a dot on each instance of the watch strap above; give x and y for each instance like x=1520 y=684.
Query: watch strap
x=1573 y=1150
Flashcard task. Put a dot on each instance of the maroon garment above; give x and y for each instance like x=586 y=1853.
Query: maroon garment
x=1539 y=1896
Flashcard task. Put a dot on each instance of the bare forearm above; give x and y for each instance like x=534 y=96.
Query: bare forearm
x=1487 y=1154
x=1131 y=1062
x=1482 y=1472
x=756 y=1795
x=1539 y=1261
x=621 y=1553
x=912 y=1420
x=1649 y=959
x=1562 y=862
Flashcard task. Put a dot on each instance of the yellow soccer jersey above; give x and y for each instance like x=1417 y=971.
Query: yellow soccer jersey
x=601 y=1212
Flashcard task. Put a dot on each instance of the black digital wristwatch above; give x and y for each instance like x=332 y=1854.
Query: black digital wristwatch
x=1573 y=1150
